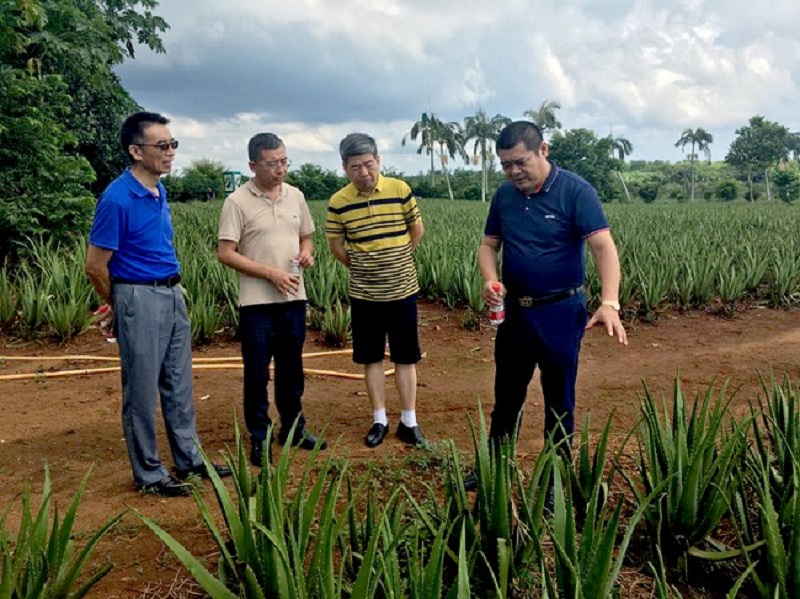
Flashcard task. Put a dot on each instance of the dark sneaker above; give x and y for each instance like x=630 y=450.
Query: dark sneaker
x=257 y=452
x=376 y=434
x=304 y=440
x=549 y=501
x=470 y=482
x=168 y=487
x=412 y=435
x=202 y=472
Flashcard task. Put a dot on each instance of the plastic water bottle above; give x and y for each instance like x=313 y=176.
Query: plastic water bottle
x=497 y=314
x=294 y=267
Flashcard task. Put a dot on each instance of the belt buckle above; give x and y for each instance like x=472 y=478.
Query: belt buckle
x=525 y=302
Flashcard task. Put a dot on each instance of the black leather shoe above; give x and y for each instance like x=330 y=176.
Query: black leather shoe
x=412 y=435
x=257 y=452
x=549 y=501
x=201 y=471
x=168 y=487
x=470 y=482
x=376 y=434
x=304 y=440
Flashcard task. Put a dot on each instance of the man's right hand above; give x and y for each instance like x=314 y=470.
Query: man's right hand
x=286 y=283
x=493 y=292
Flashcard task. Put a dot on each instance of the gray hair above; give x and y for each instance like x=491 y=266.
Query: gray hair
x=357 y=144
x=260 y=142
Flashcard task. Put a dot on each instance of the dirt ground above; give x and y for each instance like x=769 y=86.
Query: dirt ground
x=74 y=423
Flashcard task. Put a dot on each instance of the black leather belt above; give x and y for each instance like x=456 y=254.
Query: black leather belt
x=168 y=282
x=531 y=301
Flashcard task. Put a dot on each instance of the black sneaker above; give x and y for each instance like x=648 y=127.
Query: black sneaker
x=470 y=482
x=304 y=440
x=202 y=472
x=257 y=452
x=168 y=487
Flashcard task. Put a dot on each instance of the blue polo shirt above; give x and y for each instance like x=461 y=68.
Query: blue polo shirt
x=136 y=225
x=542 y=235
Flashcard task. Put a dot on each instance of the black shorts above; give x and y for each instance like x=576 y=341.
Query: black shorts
x=373 y=321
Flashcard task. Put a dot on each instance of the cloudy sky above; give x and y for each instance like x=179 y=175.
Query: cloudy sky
x=314 y=70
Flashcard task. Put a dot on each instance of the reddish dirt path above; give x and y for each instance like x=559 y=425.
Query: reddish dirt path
x=73 y=423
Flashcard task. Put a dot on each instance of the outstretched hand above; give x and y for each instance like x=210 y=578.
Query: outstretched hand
x=610 y=318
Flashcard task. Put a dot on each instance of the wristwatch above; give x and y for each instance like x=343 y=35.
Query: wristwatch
x=613 y=303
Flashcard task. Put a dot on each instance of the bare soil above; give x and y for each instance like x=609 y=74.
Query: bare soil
x=73 y=423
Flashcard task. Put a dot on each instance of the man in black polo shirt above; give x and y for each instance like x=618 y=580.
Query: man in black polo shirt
x=132 y=264
x=540 y=219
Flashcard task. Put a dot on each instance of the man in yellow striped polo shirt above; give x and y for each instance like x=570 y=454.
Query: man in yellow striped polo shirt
x=373 y=227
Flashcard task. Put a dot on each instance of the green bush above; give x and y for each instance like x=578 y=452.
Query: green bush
x=727 y=191
x=648 y=192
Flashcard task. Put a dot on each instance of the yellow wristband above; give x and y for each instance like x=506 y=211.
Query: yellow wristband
x=613 y=303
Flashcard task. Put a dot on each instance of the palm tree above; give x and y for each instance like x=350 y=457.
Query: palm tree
x=545 y=116
x=424 y=129
x=621 y=147
x=450 y=138
x=699 y=138
x=484 y=131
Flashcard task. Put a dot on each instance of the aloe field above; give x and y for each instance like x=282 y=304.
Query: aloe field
x=672 y=255
x=680 y=485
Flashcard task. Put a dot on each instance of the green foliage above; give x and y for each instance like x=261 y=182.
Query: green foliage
x=758 y=146
x=727 y=191
x=648 y=192
x=581 y=151
x=315 y=182
x=787 y=180
x=201 y=180
x=40 y=562
x=694 y=460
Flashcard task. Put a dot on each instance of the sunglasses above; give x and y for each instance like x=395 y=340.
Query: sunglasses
x=164 y=145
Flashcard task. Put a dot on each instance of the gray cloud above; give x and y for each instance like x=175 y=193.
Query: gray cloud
x=314 y=70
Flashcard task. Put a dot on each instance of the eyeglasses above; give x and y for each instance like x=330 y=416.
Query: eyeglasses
x=273 y=164
x=164 y=145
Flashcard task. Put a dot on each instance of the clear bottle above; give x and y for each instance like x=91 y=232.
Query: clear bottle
x=497 y=314
x=294 y=267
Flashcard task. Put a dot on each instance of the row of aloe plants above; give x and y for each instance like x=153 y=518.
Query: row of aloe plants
x=698 y=474
x=685 y=256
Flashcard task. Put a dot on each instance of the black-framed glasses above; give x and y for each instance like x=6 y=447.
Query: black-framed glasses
x=164 y=145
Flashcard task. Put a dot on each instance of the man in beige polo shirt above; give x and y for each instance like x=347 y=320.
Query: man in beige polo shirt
x=265 y=233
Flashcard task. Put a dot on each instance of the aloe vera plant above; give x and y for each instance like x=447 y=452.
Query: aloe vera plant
x=694 y=458
x=41 y=562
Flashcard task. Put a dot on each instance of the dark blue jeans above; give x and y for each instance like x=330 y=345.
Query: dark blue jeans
x=272 y=331
x=549 y=337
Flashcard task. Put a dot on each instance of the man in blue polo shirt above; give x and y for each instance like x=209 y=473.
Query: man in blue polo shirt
x=132 y=265
x=540 y=219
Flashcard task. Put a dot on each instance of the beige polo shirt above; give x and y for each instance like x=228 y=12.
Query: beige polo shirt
x=267 y=232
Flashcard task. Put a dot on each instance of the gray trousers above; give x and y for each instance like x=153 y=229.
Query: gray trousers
x=155 y=350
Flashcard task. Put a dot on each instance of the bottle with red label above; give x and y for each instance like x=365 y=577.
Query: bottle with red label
x=497 y=313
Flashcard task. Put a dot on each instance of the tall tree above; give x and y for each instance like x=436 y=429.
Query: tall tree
x=61 y=104
x=700 y=139
x=581 y=151
x=424 y=129
x=759 y=146
x=545 y=116
x=484 y=131
x=449 y=136
x=622 y=147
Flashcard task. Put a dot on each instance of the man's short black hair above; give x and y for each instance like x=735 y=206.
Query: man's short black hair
x=520 y=132
x=261 y=142
x=132 y=131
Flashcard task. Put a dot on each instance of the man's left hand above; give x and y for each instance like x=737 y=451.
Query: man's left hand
x=610 y=318
x=306 y=259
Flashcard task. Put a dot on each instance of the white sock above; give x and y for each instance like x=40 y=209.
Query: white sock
x=379 y=417
x=409 y=418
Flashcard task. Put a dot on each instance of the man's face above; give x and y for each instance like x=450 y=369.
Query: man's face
x=363 y=171
x=525 y=168
x=271 y=169
x=154 y=153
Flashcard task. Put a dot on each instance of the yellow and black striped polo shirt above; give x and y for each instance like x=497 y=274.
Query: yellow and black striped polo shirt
x=375 y=230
